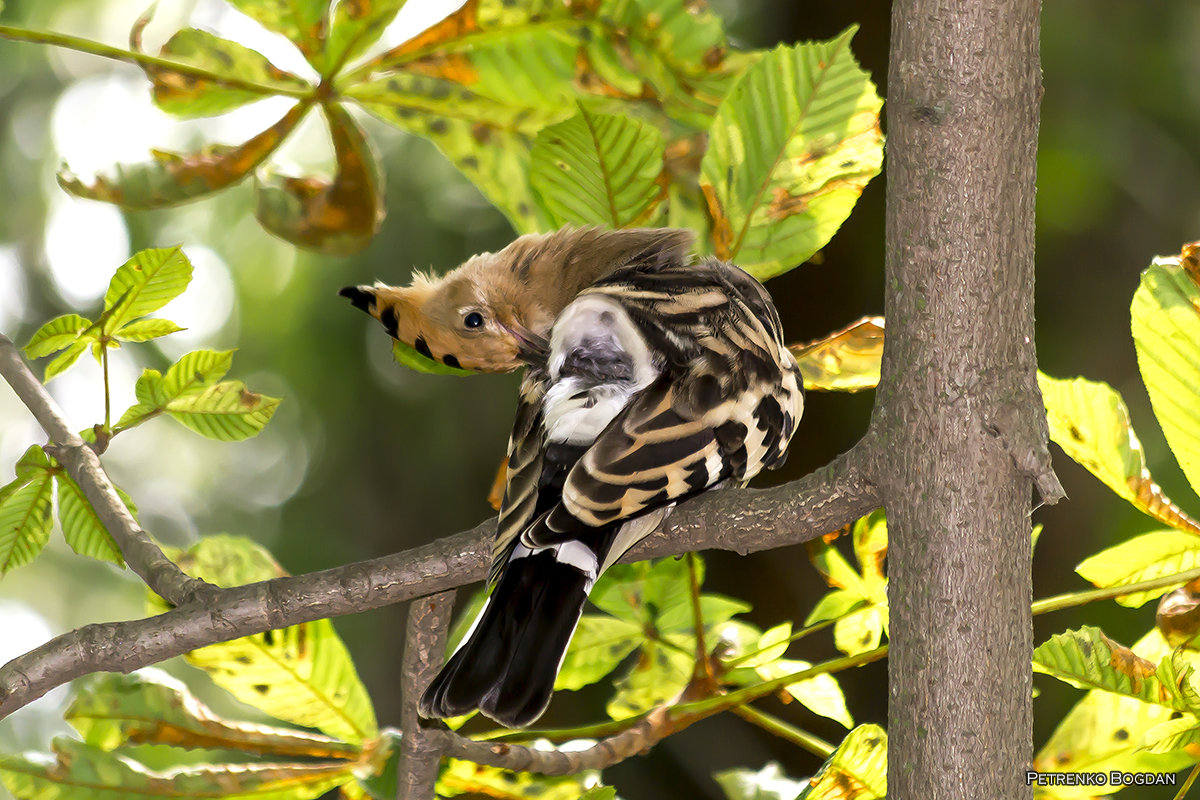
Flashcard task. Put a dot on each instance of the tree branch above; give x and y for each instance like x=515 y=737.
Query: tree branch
x=421 y=749
x=142 y=555
x=741 y=520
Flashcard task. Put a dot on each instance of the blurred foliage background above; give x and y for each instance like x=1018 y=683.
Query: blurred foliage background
x=365 y=458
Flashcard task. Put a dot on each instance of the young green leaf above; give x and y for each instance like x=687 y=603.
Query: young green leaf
x=355 y=26
x=859 y=762
x=599 y=644
x=769 y=783
x=81 y=527
x=790 y=150
x=196 y=370
x=151 y=707
x=66 y=359
x=659 y=676
x=57 y=334
x=820 y=694
x=406 y=355
x=1166 y=335
x=475 y=780
x=145 y=283
x=599 y=169
x=188 y=96
x=25 y=511
x=302 y=674
x=83 y=772
x=143 y=330
x=1088 y=658
x=227 y=412
x=862 y=630
x=1145 y=557
x=335 y=217
x=1089 y=421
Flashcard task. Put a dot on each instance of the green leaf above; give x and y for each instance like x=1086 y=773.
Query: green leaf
x=769 y=783
x=599 y=169
x=145 y=283
x=188 y=96
x=1088 y=658
x=66 y=359
x=1166 y=335
x=1090 y=422
x=1177 y=734
x=170 y=178
x=81 y=527
x=860 y=631
x=302 y=21
x=790 y=150
x=1106 y=731
x=847 y=360
x=598 y=645
x=859 y=762
x=406 y=355
x=820 y=694
x=151 y=707
x=660 y=675
x=83 y=772
x=227 y=412
x=196 y=370
x=143 y=330
x=302 y=674
x=57 y=334
x=771 y=645
x=833 y=605
x=25 y=515
x=1145 y=557
x=356 y=26
x=466 y=777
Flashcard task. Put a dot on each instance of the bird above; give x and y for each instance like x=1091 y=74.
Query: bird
x=660 y=379
x=493 y=313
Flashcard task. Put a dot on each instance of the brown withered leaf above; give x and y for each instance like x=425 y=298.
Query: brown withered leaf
x=1129 y=663
x=463 y=21
x=1189 y=259
x=846 y=360
x=335 y=217
x=1178 y=615
x=172 y=178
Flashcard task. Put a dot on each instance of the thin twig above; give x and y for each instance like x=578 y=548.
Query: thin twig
x=785 y=730
x=425 y=641
x=83 y=465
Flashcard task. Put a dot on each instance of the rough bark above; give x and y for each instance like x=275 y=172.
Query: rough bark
x=424 y=648
x=958 y=402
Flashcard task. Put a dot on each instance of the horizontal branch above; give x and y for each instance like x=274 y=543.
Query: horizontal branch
x=141 y=553
x=741 y=520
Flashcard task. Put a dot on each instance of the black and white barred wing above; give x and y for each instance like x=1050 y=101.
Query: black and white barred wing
x=524 y=473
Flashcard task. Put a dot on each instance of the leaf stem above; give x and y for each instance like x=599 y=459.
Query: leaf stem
x=107 y=393
x=95 y=48
x=703 y=668
x=785 y=730
x=1073 y=599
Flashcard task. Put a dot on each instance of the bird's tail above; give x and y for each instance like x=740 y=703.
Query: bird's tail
x=507 y=665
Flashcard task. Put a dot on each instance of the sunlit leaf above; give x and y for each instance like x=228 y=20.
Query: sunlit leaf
x=57 y=334
x=870 y=537
x=599 y=169
x=661 y=673
x=356 y=25
x=406 y=355
x=465 y=777
x=820 y=694
x=768 y=783
x=1144 y=557
x=861 y=630
x=835 y=604
x=227 y=412
x=1107 y=731
x=1177 y=734
x=771 y=645
x=172 y=178
x=1089 y=421
x=83 y=772
x=191 y=96
x=790 y=150
x=145 y=283
x=844 y=361
x=198 y=369
x=1089 y=659
x=857 y=770
x=301 y=21
x=81 y=526
x=1166 y=334
x=302 y=674
x=143 y=330
x=64 y=360
x=25 y=511
x=151 y=707
x=335 y=217
x=599 y=644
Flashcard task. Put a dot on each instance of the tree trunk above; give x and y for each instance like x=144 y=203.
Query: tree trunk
x=958 y=405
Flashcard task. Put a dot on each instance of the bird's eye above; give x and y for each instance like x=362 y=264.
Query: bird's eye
x=473 y=320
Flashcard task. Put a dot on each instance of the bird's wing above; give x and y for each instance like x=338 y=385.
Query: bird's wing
x=524 y=478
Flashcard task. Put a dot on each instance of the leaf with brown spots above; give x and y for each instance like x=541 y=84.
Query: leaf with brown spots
x=335 y=217
x=304 y=22
x=1087 y=658
x=308 y=675
x=172 y=178
x=355 y=26
x=856 y=771
x=846 y=360
x=790 y=150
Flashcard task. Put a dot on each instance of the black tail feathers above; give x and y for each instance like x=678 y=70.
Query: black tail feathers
x=510 y=660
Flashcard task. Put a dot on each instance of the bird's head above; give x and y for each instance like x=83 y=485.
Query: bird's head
x=494 y=312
